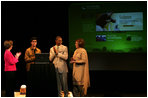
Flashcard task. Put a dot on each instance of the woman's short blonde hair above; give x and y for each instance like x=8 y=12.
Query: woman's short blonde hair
x=8 y=44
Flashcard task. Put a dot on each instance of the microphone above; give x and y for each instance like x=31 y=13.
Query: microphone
x=34 y=50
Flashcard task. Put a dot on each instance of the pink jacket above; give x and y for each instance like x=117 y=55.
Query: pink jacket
x=10 y=61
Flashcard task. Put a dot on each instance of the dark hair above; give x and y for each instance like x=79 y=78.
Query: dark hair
x=58 y=37
x=33 y=38
x=8 y=44
x=80 y=42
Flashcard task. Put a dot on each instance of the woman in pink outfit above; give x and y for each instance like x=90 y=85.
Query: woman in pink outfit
x=10 y=67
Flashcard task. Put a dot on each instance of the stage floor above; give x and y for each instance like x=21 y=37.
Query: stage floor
x=91 y=94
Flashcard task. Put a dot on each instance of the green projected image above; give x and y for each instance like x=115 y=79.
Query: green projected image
x=125 y=31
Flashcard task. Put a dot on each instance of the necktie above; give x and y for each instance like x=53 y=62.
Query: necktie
x=57 y=48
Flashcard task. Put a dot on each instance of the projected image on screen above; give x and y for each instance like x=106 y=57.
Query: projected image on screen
x=130 y=21
x=103 y=24
x=113 y=33
x=100 y=37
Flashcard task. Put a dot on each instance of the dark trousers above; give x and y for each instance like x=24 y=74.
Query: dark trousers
x=10 y=83
x=78 y=91
x=62 y=83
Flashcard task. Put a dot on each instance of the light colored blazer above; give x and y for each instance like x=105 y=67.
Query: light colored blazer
x=59 y=60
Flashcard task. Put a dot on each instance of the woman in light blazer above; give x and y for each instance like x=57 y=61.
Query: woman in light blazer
x=81 y=79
